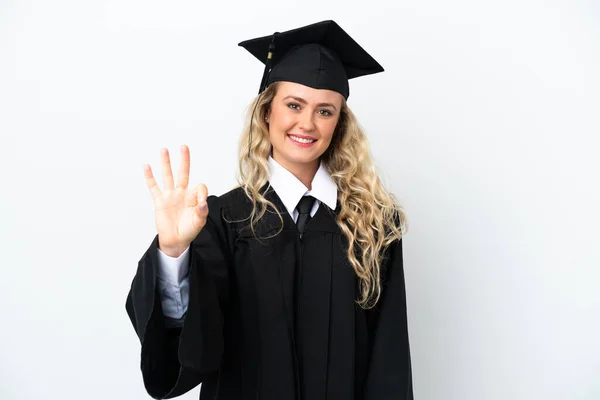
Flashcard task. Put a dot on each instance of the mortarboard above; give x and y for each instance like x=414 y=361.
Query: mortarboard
x=321 y=56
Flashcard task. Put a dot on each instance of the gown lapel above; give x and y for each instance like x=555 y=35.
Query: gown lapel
x=305 y=273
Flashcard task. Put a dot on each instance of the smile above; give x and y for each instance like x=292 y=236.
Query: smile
x=301 y=140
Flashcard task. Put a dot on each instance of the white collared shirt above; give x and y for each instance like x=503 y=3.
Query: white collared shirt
x=173 y=281
x=290 y=190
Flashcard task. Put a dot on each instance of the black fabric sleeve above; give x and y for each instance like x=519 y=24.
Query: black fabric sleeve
x=175 y=360
x=390 y=373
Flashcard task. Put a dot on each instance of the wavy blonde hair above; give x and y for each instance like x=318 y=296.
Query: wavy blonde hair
x=370 y=217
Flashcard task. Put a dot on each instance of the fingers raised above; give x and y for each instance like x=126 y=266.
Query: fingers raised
x=151 y=182
x=184 y=168
x=167 y=173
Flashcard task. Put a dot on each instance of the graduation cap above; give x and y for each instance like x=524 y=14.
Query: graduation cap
x=321 y=56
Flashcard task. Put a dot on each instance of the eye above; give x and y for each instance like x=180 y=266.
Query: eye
x=294 y=106
x=325 y=112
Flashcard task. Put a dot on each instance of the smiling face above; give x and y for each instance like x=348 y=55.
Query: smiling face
x=301 y=124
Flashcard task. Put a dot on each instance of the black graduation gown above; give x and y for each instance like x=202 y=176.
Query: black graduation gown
x=273 y=319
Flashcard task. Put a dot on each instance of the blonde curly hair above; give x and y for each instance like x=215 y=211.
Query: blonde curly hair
x=370 y=217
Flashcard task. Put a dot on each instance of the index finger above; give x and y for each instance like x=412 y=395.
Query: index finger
x=184 y=168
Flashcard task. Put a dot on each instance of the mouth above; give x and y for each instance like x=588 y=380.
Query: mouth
x=302 y=141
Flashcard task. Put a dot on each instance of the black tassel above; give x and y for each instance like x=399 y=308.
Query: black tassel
x=263 y=84
x=266 y=73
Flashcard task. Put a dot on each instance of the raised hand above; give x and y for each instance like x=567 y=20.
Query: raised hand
x=180 y=214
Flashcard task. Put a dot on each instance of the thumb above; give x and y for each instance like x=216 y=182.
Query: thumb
x=202 y=193
x=202 y=206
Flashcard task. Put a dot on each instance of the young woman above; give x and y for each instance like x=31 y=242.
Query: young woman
x=291 y=285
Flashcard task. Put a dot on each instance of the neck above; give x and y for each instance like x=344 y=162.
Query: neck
x=304 y=172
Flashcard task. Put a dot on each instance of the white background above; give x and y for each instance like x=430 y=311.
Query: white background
x=484 y=125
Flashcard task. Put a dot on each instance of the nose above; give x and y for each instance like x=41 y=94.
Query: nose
x=306 y=122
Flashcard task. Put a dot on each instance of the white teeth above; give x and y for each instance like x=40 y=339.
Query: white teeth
x=297 y=139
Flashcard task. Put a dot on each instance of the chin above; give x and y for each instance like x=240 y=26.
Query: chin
x=300 y=159
x=295 y=158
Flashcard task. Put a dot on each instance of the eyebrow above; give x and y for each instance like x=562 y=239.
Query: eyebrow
x=301 y=100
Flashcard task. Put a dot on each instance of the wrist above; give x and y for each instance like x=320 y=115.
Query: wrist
x=174 y=252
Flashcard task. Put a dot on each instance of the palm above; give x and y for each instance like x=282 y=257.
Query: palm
x=177 y=211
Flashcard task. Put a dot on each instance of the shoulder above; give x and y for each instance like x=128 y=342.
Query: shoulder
x=233 y=205
x=233 y=199
x=223 y=215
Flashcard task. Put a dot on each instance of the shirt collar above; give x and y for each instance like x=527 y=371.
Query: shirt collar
x=290 y=190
